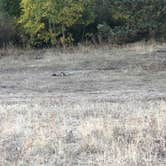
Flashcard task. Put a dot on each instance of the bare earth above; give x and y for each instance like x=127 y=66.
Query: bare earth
x=102 y=106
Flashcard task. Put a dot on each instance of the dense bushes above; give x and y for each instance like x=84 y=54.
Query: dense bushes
x=6 y=30
x=133 y=20
x=9 y=12
x=40 y=23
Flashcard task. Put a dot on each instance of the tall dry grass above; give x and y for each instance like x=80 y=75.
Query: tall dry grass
x=100 y=134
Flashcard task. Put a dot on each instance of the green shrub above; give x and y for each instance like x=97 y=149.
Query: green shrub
x=7 y=30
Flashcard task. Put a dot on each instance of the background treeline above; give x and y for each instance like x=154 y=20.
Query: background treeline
x=45 y=23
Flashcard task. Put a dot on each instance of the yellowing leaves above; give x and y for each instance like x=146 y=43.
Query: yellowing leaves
x=51 y=17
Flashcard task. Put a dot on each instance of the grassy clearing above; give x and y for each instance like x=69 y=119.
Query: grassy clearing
x=108 y=110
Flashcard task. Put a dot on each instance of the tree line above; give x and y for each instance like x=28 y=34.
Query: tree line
x=46 y=23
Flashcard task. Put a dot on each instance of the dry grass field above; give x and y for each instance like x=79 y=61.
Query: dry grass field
x=83 y=106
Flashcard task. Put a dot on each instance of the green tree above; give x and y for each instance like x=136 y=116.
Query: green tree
x=49 y=20
x=144 y=18
x=131 y=20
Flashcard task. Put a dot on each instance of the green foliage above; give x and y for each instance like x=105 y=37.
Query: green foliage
x=48 y=20
x=144 y=16
x=134 y=20
x=7 y=31
x=9 y=11
x=104 y=31
x=10 y=7
x=51 y=22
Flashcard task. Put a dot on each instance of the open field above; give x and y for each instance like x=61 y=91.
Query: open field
x=83 y=107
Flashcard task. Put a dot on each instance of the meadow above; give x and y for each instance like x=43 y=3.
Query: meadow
x=83 y=106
